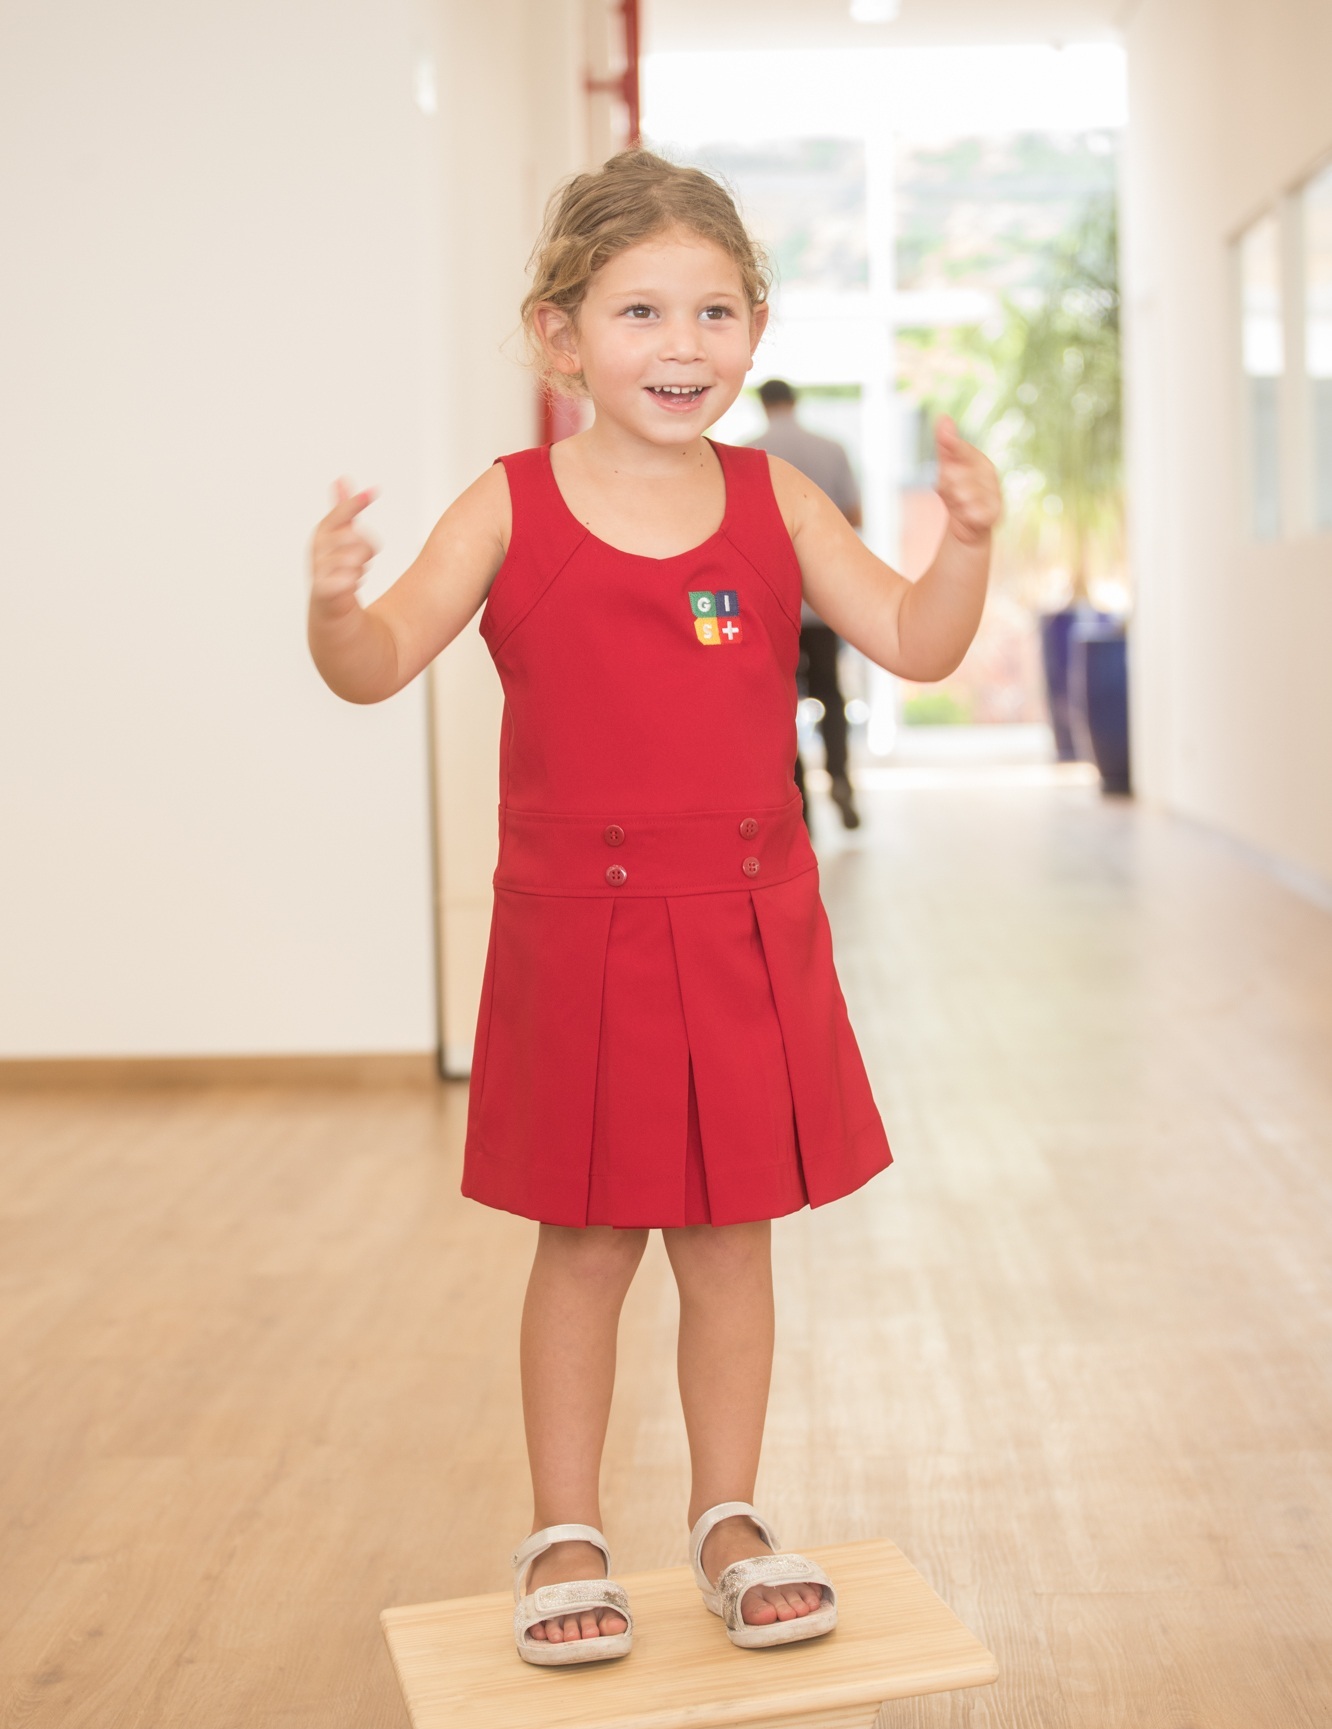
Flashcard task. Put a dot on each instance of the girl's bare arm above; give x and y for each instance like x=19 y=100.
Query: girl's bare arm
x=365 y=654
x=919 y=630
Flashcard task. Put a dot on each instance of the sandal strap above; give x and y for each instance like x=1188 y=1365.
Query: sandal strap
x=714 y=1516
x=552 y=1601
x=546 y=1538
x=784 y=1569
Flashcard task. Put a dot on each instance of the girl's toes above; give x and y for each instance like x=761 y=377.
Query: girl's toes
x=587 y=1624
x=571 y=1628
x=758 y=1609
x=537 y=1632
x=611 y=1623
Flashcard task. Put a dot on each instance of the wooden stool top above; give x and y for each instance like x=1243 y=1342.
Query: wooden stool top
x=458 y=1668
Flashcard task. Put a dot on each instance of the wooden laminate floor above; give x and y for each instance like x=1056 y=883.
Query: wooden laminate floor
x=1073 y=1353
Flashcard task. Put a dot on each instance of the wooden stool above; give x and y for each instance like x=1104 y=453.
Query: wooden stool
x=894 y=1638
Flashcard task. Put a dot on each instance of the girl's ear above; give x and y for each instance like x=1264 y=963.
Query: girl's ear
x=558 y=337
x=758 y=323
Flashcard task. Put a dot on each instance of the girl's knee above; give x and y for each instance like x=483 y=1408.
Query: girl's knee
x=594 y=1250
x=720 y=1247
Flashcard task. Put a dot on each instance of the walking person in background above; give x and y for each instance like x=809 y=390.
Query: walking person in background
x=825 y=462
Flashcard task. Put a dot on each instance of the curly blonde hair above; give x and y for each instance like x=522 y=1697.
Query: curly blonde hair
x=630 y=198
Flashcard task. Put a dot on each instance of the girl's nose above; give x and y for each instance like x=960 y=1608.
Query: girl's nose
x=680 y=340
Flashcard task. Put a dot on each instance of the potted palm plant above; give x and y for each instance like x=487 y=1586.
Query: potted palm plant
x=1055 y=411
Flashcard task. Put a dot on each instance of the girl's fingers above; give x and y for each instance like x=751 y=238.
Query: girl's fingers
x=340 y=567
x=347 y=504
x=348 y=536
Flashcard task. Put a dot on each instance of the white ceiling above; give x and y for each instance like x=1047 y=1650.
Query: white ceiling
x=684 y=25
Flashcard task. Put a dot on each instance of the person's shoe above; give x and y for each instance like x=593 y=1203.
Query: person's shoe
x=845 y=800
x=725 y=1597
x=549 y=1602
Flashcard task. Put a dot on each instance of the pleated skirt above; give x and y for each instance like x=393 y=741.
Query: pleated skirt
x=657 y=1047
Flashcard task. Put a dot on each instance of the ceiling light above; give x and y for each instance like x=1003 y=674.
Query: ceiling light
x=875 y=11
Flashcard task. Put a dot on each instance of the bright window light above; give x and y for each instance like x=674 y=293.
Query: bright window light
x=1264 y=360
x=1317 y=212
x=742 y=98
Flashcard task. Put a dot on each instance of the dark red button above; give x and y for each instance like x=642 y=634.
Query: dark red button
x=616 y=874
x=750 y=867
x=613 y=834
x=749 y=828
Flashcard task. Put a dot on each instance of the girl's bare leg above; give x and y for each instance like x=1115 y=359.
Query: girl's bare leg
x=571 y=1315
x=724 y=1273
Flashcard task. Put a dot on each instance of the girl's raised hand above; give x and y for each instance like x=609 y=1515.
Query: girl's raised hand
x=339 y=552
x=967 y=483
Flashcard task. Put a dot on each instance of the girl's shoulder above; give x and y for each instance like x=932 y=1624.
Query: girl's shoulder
x=539 y=523
x=525 y=474
x=520 y=460
x=483 y=510
x=516 y=487
x=791 y=490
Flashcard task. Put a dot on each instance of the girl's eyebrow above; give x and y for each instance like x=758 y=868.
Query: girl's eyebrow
x=656 y=294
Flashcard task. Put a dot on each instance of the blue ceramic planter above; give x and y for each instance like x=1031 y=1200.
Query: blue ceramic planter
x=1056 y=643
x=1098 y=699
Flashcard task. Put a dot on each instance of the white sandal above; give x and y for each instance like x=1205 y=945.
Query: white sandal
x=550 y=1602
x=725 y=1597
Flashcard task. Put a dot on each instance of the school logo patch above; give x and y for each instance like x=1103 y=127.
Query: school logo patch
x=716 y=616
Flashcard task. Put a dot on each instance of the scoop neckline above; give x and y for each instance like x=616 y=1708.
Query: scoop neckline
x=647 y=557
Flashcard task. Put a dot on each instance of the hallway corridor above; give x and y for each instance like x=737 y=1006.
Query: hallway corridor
x=258 y=1357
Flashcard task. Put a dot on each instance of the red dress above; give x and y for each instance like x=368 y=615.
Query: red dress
x=662 y=1039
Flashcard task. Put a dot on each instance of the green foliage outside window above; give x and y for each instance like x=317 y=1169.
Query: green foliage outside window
x=935 y=708
x=1041 y=393
x=1054 y=417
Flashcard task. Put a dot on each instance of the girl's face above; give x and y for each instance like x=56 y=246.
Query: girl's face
x=664 y=337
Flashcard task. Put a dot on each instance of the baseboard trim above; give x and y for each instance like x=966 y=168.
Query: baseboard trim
x=1308 y=884
x=458 y=1061
x=365 y=1069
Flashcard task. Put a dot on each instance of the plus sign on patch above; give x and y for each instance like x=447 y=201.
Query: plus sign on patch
x=716 y=616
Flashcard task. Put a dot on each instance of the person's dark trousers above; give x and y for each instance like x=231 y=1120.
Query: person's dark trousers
x=818 y=664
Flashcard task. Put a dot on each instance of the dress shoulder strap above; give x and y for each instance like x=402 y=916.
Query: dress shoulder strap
x=755 y=525
x=544 y=536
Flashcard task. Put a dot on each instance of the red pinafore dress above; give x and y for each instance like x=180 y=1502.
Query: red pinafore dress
x=662 y=1039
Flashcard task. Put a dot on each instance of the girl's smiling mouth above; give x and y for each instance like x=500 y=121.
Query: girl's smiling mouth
x=677 y=396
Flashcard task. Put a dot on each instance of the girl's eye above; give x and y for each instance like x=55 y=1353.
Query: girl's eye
x=638 y=311
x=716 y=313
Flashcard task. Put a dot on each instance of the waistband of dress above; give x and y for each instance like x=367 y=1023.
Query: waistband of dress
x=652 y=853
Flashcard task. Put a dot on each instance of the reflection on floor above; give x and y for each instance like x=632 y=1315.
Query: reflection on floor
x=257 y=1356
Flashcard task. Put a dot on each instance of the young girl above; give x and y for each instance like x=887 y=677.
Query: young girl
x=662 y=1040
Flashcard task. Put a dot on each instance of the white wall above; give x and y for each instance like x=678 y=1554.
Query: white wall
x=237 y=276
x=217 y=213
x=1232 y=698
